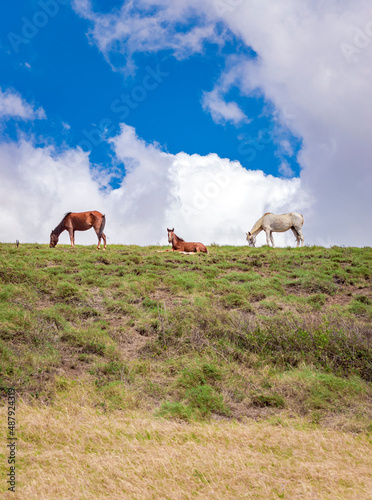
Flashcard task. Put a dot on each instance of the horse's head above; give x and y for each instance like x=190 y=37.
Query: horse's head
x=170 y=235
x=53 y=240
x=251 y=239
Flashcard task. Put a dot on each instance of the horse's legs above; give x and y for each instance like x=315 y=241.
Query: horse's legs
x=296 y=235
x=96 y=230
x=103 y=236
x=272 y=239
x=300 y=237
x=71 y=232
x=268 y=236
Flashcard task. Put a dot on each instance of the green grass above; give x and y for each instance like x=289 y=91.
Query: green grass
x=237 y=333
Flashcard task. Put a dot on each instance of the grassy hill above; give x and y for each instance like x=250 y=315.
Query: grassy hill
x=240 y=337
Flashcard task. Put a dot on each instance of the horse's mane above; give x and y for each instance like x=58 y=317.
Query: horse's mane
x=58 y=228
x=258 y=224
x=179 y=239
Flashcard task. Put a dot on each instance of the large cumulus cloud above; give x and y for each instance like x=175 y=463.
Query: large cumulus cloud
x=313 y=64
x=204 y=197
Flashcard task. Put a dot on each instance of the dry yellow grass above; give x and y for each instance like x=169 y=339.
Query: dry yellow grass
x=70 y=450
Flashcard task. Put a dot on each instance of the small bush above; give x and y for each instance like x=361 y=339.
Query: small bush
x=206 y=400
x=67 y=291
x=317 y=301
x=360 y=307
x=318 y=285
x=344 y=350
x=85 y=344
x=197 y=375
x=148 y=303
x=112 y=368
x=116 y=397
x=234 y=300
x=170 y=409
x=363 y=299
x=273 y=400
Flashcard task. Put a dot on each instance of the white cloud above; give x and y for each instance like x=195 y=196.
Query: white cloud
x=205 y=198
x=285 y=169
x=13 y=106
x=314 y=64
x=222 y=111
x=37 y=187
x=301 y=68
x=149 y=26
x=319 y=91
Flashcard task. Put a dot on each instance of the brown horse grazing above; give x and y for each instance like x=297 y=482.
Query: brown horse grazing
x=180 y=245
x=82 y=221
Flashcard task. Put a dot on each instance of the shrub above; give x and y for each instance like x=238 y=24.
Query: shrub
x=170 y=409
x=206 y=400
x=274 y=400
x=196 y=375
x=317 y=301
x=67 y=291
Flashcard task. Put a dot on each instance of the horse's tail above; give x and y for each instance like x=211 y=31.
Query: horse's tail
x=102 y=226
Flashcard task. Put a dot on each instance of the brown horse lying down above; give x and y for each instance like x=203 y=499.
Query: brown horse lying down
x=82 y=221
x=180 y=245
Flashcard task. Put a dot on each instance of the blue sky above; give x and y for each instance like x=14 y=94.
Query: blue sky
x=60 y=70
x=198 y=115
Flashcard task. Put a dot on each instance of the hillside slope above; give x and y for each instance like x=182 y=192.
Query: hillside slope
x=245 y=373
x=240 y=332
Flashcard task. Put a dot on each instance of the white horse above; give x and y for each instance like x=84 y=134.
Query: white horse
x=278 y=223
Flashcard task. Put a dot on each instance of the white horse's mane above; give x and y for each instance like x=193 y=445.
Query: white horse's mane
x=258 y=224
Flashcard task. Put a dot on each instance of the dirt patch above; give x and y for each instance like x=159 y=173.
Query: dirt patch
x=347 y=294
